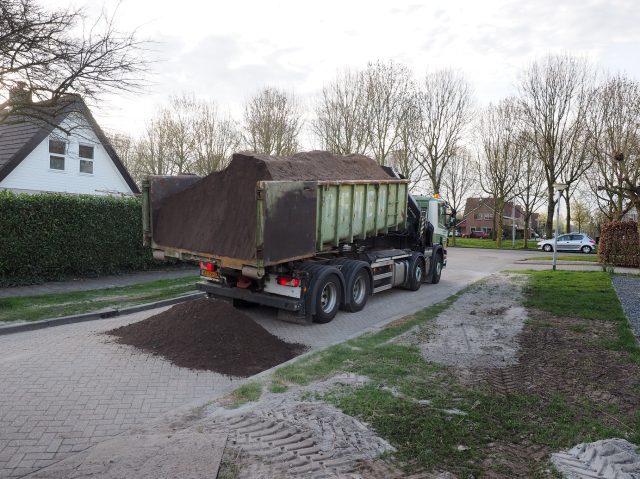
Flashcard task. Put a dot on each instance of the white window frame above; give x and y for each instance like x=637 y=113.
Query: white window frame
x=63 y=156
x=85 y=159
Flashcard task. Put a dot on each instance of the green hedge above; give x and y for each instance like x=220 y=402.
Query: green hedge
x=52 y=236
x=619 y=244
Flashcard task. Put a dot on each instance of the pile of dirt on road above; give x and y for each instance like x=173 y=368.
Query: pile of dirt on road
x=210 y=335
x=218 y=213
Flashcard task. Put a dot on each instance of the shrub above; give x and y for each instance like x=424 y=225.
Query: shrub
x=52 y=236
x=620 y=244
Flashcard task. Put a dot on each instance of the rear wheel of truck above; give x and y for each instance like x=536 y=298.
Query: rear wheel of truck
x=327 y=299
x=359 y=289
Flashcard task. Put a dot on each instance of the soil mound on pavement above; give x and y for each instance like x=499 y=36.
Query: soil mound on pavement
x=209 y=335
x=217 y=214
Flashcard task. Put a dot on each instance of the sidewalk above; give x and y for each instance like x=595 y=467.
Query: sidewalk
x=568 y=266
x=103 y=282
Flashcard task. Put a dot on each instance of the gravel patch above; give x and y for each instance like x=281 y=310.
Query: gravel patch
x=628 y=289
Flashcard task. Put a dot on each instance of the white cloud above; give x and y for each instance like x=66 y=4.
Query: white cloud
x=226 y=50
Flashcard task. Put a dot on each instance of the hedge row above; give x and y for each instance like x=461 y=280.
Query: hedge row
x=620 y=244
x=53 y=236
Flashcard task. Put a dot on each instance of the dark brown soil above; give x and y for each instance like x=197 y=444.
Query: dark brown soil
x=210 y=335
x=217 y=215
x=561 y=356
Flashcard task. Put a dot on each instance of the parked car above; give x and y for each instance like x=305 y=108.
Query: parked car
x=476 y=234
x=570 y=242
x=457 y=234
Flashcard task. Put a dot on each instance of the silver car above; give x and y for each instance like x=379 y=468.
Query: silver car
x=571 y=242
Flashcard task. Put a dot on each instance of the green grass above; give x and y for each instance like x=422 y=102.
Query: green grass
x=582 y=294
x=32 y=308
x=418 y=419
x=490 y=244
x=592 y=258
x=248 y=392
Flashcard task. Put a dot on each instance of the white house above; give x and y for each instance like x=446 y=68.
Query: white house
x=70 y=154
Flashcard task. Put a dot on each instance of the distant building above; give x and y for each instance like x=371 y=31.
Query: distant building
x=479 y=216
x=38 y=156
x=631 y=215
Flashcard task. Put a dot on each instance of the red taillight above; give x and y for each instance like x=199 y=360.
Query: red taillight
x=288 y=281
x=207 y=266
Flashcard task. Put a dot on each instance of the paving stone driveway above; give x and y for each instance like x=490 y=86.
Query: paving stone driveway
x=67 y=388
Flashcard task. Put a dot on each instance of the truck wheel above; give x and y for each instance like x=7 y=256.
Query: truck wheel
x=416 y=274
x=359 y=289
x=437 y=270
x=327 y=299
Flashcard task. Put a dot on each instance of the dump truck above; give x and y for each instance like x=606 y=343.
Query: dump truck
x=308 y=234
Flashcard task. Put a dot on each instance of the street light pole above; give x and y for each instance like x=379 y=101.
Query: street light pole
x=558 y=187
x=513 y=223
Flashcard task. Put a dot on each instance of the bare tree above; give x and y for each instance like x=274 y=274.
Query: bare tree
x=445 y=102
x=405 y=157
x=615 y=144
x=459 y=180
x=272 y=122
x=388 y=94
x=501 y=155
x=531 y=190
x=216 y=138
x=341 y=119
x=553 y=97
x=125 y=147
x=152 y=150
x=581 y=214
x=42 y=59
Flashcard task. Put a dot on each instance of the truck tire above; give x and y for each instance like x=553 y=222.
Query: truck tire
x=327 y=298
x=437 y=269
x=416 y=275
x=358 y=289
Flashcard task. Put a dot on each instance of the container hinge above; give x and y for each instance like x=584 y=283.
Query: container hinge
x=259 y=194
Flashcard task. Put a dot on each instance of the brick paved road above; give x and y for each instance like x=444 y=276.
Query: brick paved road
x=66 y=388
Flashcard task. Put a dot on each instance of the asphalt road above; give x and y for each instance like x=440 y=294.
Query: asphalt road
x=67 y=388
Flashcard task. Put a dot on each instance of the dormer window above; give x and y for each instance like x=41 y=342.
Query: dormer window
x=85 y=152
x=57 y=150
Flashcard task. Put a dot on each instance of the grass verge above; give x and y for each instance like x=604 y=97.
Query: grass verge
x=591 y=258
x=437 y=423
x=32 y=308
x=491 y=244
x=248 y=392
x=583 y=294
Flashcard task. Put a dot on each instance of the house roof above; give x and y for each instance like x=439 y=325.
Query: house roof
x=473 y=204
x=19 y=137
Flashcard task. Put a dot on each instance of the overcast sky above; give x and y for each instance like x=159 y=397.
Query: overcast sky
x=226 y=50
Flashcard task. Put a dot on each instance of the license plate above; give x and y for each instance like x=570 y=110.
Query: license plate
x=209 y=274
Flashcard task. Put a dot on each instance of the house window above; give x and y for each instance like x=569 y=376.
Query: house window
x=58 y=148
x=488 y=216
x=85 y=152
x=477 y=216
x=56 y=162
x=86 y=166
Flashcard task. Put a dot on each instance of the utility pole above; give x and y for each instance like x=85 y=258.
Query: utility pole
x=513 y=223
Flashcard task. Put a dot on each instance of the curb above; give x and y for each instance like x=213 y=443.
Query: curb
x=102 y=314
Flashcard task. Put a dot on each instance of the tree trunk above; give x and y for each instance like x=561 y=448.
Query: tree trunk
x=500 y=212
x=550 y=211
x=568 y=212
x=526 y=233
